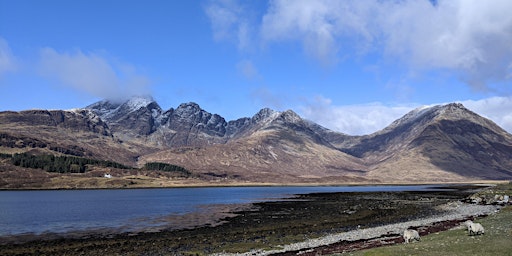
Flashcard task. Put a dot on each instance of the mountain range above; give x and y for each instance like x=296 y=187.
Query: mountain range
x=443 y=143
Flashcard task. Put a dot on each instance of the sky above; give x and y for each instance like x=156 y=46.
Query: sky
x=353 y=66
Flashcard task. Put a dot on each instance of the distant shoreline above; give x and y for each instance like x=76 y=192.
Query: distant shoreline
x=264 y=184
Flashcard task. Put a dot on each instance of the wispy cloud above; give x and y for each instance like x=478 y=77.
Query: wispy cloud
x=267 y=98
x=230 y=22
x=93 y=74
x=247 y=69
x=8 y=62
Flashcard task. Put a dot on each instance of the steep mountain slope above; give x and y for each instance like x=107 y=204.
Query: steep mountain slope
x=448 y=142
x=459 y=141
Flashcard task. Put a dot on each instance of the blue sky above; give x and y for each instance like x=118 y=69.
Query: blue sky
x=352 y=66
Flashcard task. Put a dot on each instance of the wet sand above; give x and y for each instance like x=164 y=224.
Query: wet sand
x=268 y=225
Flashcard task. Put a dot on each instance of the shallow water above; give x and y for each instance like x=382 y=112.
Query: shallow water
x=63 y=211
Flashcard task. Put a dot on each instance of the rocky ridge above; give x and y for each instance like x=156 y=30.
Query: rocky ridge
x=188 y=124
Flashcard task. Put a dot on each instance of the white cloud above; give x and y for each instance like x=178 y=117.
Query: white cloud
x=320 y=25
x=7 y=59
x=368 y=118
x=93 y=74
x=352 y=119
x=470 y=37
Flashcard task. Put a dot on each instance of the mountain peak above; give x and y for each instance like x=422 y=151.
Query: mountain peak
x=265 y=114
x=290 y=116
x=455 y=105
x=189 y=109
x=189 y=105
x=455 y=110
x=450 y=111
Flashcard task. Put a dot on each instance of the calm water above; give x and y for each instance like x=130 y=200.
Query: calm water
x=61 y=211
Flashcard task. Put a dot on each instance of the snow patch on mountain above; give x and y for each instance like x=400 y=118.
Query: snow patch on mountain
x=139 y=102
x=85 y=112
x=103 y=108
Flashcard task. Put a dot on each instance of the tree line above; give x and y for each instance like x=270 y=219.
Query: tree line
x=156 y=166
x=5 y=156
x=73 y=164
x=61 y=164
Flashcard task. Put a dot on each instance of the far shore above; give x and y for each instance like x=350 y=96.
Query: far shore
x=187 y=184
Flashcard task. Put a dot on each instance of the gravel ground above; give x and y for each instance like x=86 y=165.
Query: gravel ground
x=452 y=211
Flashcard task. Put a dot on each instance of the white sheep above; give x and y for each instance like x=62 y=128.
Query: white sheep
x=476 y=229
x=410 y=235
x=468 y=224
